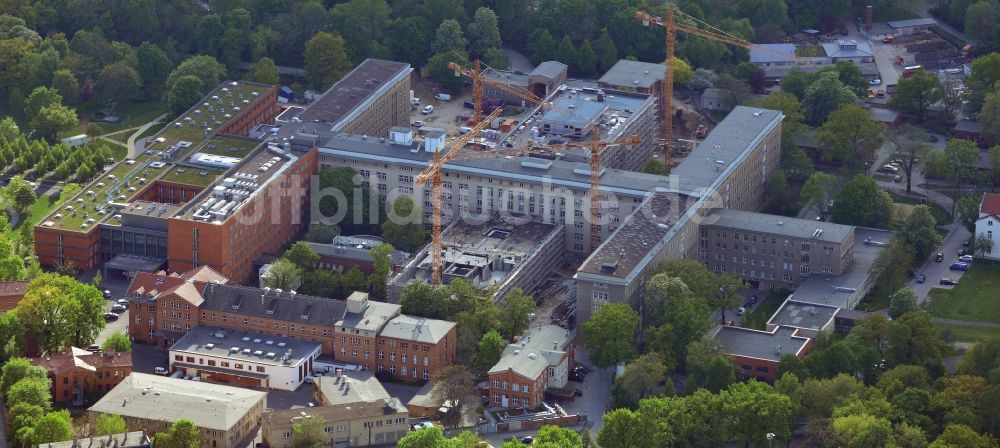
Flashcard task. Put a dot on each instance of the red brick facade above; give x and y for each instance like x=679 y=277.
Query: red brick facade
x=507 y=389
x=168 y=192
x=401 y=358
x=11 y=294
x=79 y=376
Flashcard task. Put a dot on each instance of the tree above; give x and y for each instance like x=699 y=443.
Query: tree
x=108 y=424
x=420 y=299
x=849 y=74
x=850 y=136
x=66 y=84
x=556 y=436
x=437 y=66
x=208 y=34
x=283 y=274
x=727 y=295
x=609 y=57
x=182 y=434
x=625 y=428
x=60 y=312
x=118 y=342
x=514 y=313
x=610 y=334
x=208 y=70
x=118 y=83
x=490 y=349
x=308 y=432
x=321 y=233
x=265 y=71
x=11 y=338
x=901 y=302
x=17 y=369
x=778 y=196
x=586 y=59
x=754 y=409
x=861 y=202
x=909 y=145
x=566 y=52
x=31 y=390
x=422 y=438
x=53 y=427
x=960 y=160
x=955 y=436
x=326 y=60
x=449 y=37
x=51 y=120
x=153 y=66
x=916 y=93
x=40 y=98
x=675 y=318
x=919 y=232
x=819 y=187
x=989 y=116
x=21 y=194
x=825 y=95
x=186 y=91
x=382 y=266
x=642 y=378
x=495 y=57
x=403 y=227
x=483 y=31
x=454 y=386
x=655 y=166
x=862 y=431
x=302 y=256
x=796 y=82
x=985 y=72
x=982 y=245
x=683 y=73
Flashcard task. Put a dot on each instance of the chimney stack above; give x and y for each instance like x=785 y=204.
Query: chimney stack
x=868 y=18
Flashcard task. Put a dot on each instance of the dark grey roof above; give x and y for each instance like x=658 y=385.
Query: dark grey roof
x=550 y=69
x=634 y=74
x=760 y=344
x=353 y=90
x=637 y=236
x=923 y=21
x=806 y=315
x=970 y=126
x=134 y=439
x=257 y=302
x=778 y=225
x=868 y=69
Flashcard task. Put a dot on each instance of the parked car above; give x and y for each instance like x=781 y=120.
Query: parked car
x=93 y=348
x=741 y=310
x=160 y=371
x=875 y=82
x=110 y=317
x=311 y=404
x=122 y=302
x=701 y=132
x=897 y=179
x=576 y=376
x=527 y=440
x=888 y=169
x=959 y=266
x=965 y=258
x=939 y=257
x=442 y=97
x=116 y=308
x=921 y=278
x=310 y=379
x=427 y=109
x=107 y=293
x=965 y=243
x=948 y=281
x=419 y=124
x=422 y=425
x=961 y=252
x=415 y=101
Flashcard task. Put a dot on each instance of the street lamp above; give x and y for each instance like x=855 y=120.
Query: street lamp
x=770 y=437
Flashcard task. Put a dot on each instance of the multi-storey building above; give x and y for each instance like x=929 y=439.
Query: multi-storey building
x=539 y=360
x=769 y=251
x=163 y=309
x=729 y=169
x=226 y=417
x=987 y=224
x=202 y=193
x=378 y=422
x=78 y=375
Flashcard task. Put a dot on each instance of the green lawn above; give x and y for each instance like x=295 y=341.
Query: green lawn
x=974 y=298
x=969 y=333
x=191 y=176
x=229 y=147
x=132 y=114
x=810 y=51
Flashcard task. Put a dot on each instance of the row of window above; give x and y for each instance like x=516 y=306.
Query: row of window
x=514 y=386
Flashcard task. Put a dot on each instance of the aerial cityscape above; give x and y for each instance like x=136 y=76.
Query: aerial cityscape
x=457 y=224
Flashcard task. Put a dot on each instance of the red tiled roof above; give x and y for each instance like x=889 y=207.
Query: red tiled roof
x=205 y=274
x=145 y=282
x=66 y=359
x=12 y=289
x=990 y=204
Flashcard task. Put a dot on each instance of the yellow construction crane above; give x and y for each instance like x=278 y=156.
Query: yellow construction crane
x=475 y=73
x=433 y=174
x=676 y=20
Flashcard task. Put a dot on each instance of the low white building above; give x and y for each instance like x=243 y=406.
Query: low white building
x=988 y=224
x=242 y=358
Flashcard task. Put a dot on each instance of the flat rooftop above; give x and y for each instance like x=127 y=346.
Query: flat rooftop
x=417 y=329
x=186 y=134
x=634 y=74
x=330 y=414
x=726 y=146
x=162 y=398
x=760 y=344
x=360 y=85
x=606 y=111
x=245 y=346
x=638 y=234
x=150 y=209
x=778 y=225
x=351 y=387
x=837 y=290
x=496 y=245
x=372 y=318
x=558 y=173
x=120 y=440
x=797 y=314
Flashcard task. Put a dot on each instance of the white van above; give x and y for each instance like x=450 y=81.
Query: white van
x=464 y=130
x=160 y=370
x=442 y=97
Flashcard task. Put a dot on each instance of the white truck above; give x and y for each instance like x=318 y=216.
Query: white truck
x=442 y=97
x=76 y=140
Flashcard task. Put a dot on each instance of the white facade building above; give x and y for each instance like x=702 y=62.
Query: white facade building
x=988 y=225
x=242 y=358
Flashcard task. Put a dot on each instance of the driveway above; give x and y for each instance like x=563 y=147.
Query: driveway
x=936 y=271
